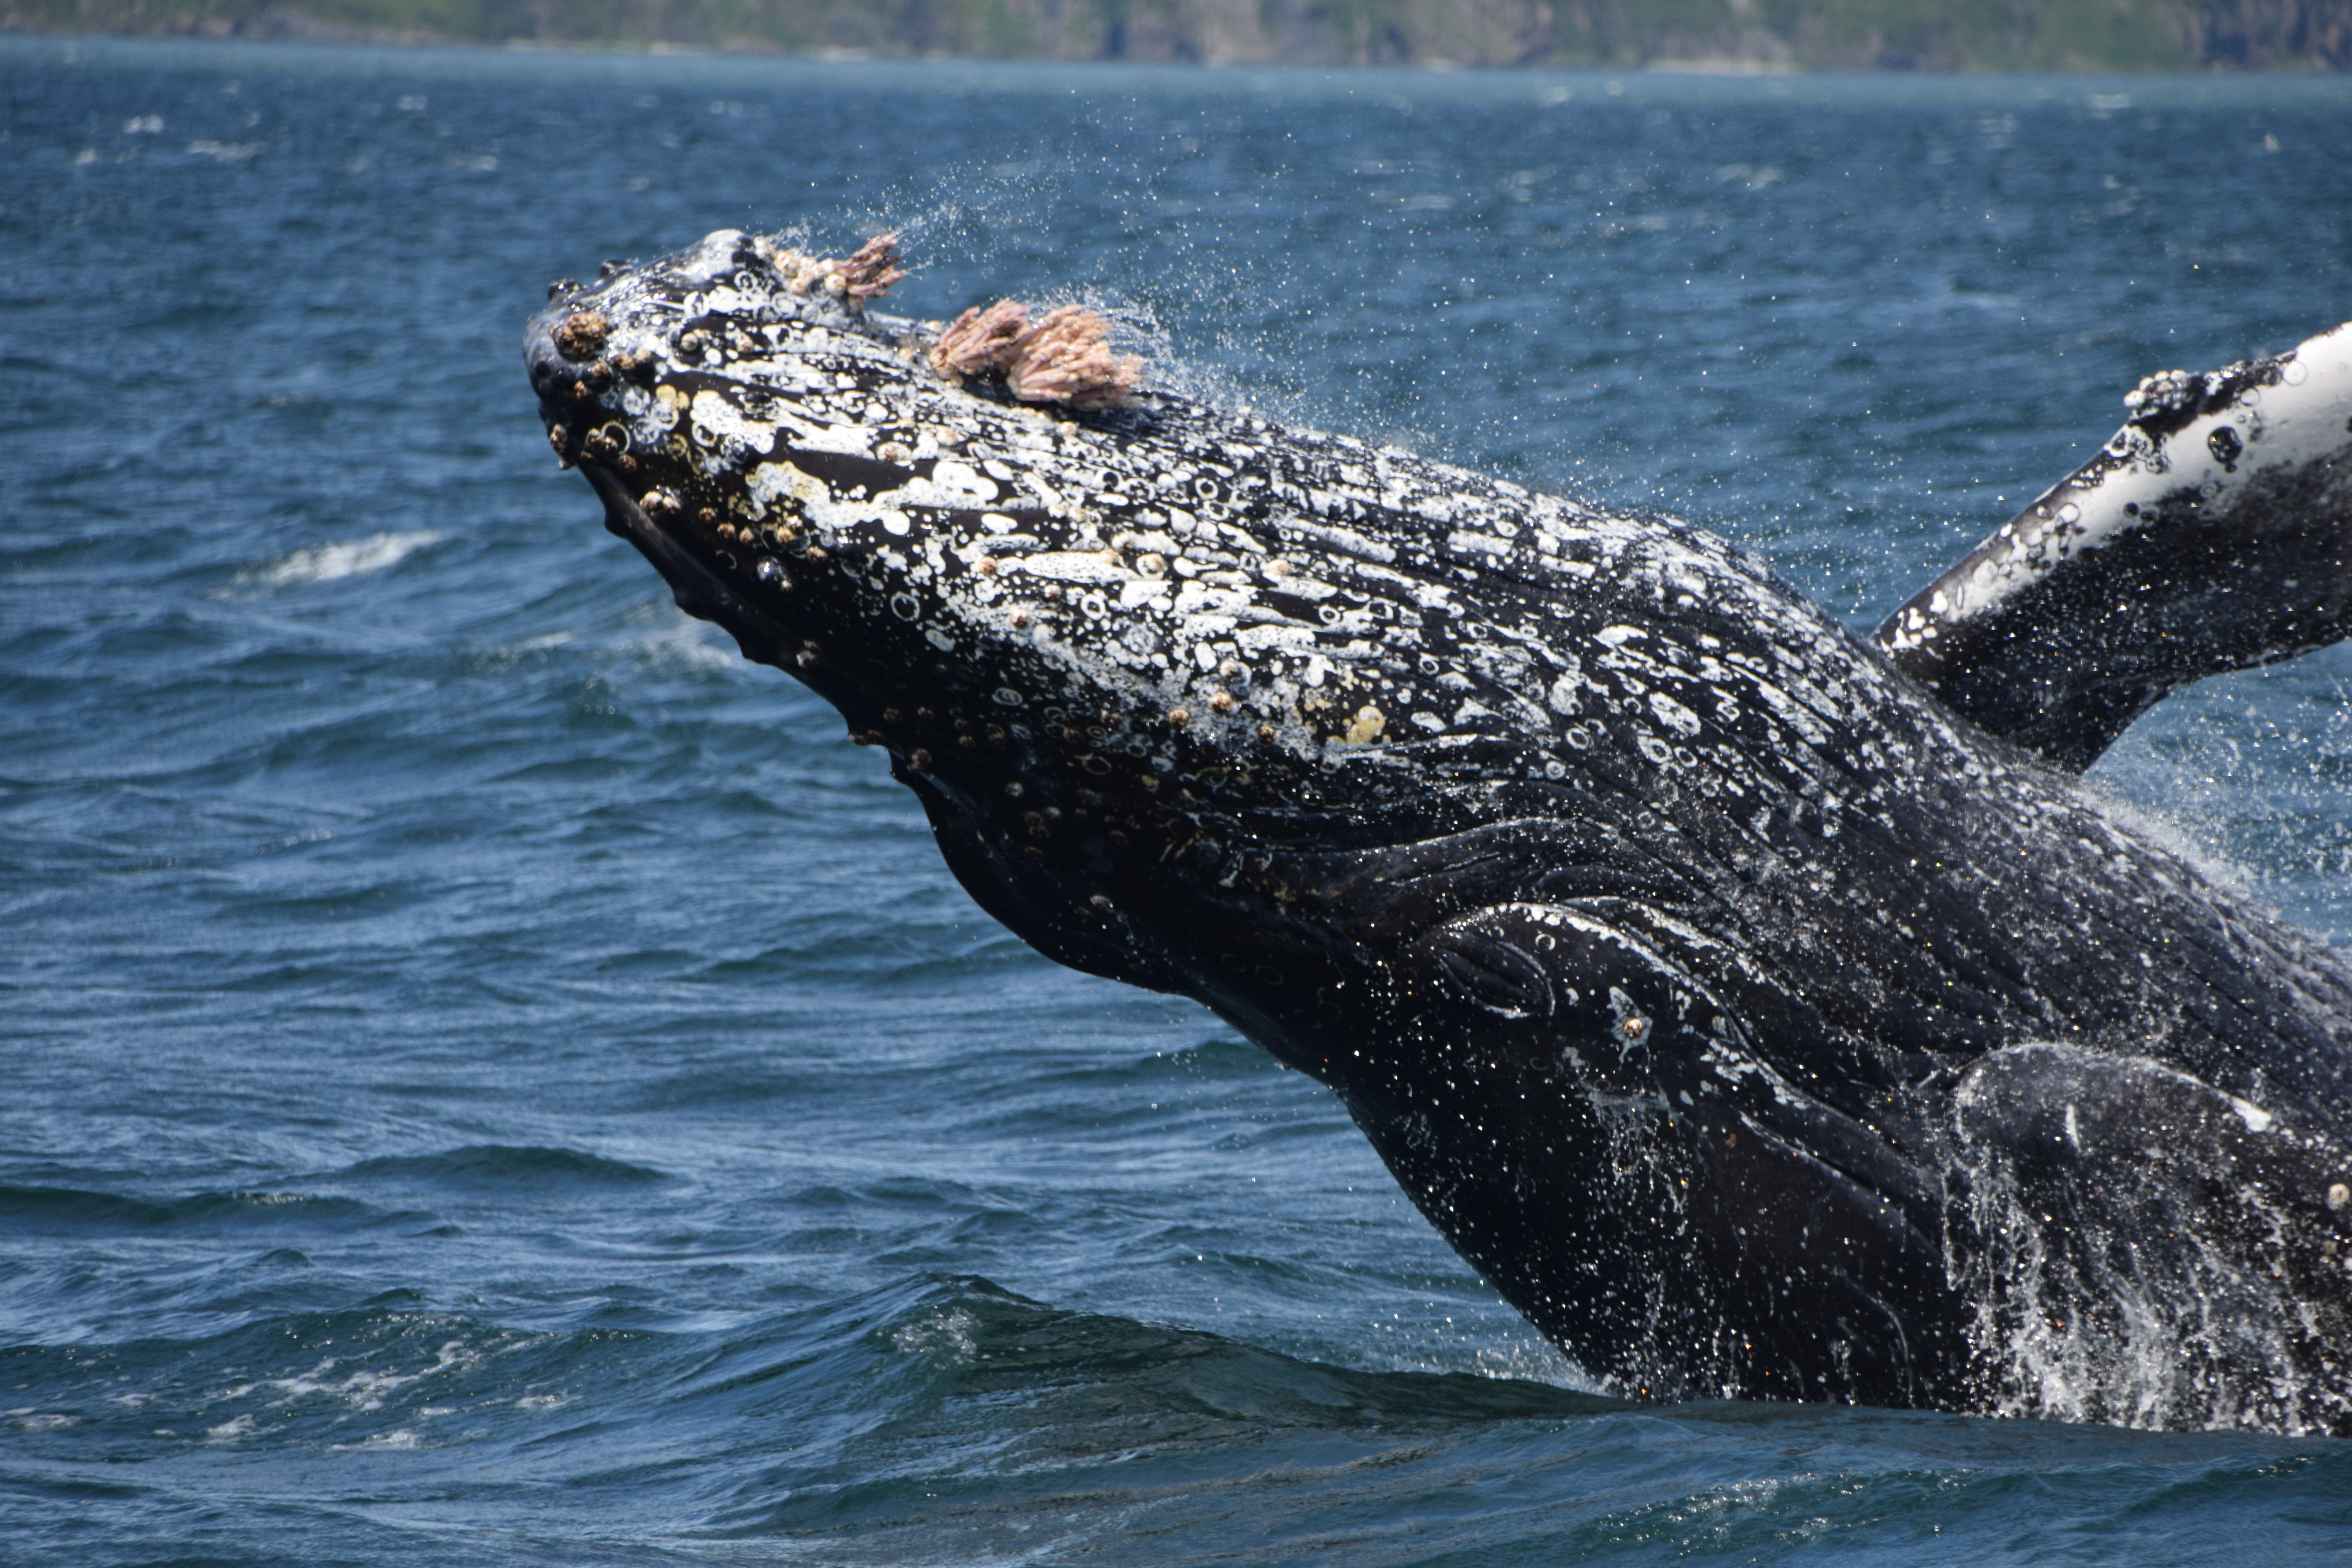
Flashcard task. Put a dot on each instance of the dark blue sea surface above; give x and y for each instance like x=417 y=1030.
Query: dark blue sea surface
x=488 y=1077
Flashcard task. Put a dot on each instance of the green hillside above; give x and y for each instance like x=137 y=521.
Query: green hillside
x=1743 y=35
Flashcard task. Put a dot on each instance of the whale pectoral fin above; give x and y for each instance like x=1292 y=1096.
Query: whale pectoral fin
x=2212 y=533
x=1613 y=1153
x=2118 y=1200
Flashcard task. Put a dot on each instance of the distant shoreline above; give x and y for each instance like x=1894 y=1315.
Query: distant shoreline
x=1713 y=37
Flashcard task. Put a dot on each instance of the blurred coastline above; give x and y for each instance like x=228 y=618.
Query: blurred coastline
x=1714 y=37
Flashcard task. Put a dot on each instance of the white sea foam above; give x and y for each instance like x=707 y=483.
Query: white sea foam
x=401 y=1437
x=362 y=1389
x=949 y=1331
x=2173 y=829
x=696 y=645
x=352 y=558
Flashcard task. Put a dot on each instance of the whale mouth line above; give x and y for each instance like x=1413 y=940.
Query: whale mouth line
x=698 y=591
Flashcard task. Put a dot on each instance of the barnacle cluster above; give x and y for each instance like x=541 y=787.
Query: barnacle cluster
x=866 y=273
x=1061 y=357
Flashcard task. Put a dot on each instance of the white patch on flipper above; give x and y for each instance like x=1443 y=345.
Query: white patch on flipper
x=2301 y=420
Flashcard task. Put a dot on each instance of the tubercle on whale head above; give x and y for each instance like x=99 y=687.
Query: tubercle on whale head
x=1149 y=666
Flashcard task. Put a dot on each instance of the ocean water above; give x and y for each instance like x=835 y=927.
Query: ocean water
x=487 y=1077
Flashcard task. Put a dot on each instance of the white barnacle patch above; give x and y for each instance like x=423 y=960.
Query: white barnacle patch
x=664 y=410
x=1087 y=567
x=775 y=484
x=954 y=484
x=1201 y=624
x=1673 y=715
x=1790 y=711
x=1275 y=637
x=1496 y=544
x=1346 y=541
x=846 y=439
x=717 y=422
x=1297 y=585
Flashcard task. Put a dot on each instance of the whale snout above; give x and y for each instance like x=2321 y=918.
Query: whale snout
x=564 y=351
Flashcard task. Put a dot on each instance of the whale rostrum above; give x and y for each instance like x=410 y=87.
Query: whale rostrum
x=1765 y=1011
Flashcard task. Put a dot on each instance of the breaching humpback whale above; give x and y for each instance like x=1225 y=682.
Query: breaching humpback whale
x=1765 y=1010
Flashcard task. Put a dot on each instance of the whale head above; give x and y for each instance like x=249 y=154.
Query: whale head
x=1180 y=691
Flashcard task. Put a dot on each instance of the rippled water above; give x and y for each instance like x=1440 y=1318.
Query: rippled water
x=491 y=1078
